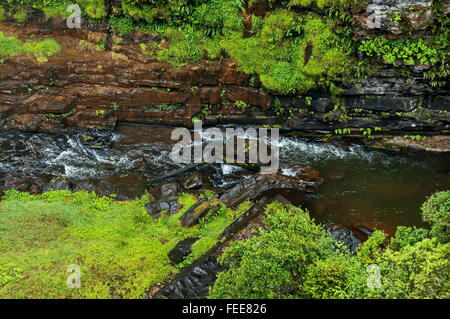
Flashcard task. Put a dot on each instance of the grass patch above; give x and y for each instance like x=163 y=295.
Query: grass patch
x=120 y=249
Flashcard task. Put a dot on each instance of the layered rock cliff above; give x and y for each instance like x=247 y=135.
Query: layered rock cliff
x=99 y=79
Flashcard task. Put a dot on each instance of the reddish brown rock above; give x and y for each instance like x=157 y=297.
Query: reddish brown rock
x=53 y=104
x=250 y=96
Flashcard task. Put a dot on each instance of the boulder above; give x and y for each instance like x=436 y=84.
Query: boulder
x=165 y=198
x=292 y=185
x=181 y=250
x=197 y=211
x=169 y=204
x=193 y=181
x=164 y=190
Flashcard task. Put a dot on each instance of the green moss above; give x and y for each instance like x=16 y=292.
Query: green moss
x=321 y=3
x=292 y=257
x=183 y=47
x=45 y=48
x=42 y=59
x=53 y=8
x=291 y=54
x=9 y=46
x=20 y=16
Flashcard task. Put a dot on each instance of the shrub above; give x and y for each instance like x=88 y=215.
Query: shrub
x=436 y=212
x=406 y=236
x=20 y=16
x=272 y=264
x=295 y=258
x=122 y=25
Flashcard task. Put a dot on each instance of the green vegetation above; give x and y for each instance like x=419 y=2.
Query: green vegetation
x=436 y=212
x=121 y=250
x=294 y=258
x=434 y=52
x=92 y=9
x=289 y=50
x=415 y=137
x=11 y=46
x=291 y=54
x=2 y=13
x=20 y=16
x=45 y=48
x=161 y=107
x=405 y=51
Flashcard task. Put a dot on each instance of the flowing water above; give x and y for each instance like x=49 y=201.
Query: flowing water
x=376 y=189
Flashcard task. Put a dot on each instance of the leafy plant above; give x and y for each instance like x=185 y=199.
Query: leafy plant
x=436 y=212
x=291 y=257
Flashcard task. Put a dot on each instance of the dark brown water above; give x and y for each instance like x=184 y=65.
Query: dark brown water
x=376 y=189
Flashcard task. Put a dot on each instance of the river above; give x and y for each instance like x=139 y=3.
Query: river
x=375 y=188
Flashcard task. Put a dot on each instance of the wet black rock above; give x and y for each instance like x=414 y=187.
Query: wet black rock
x=58 y=184
x=181 y=250
x=195 y=283
x=169 y=204
x=17 y=183
x=364 y=231
x=125 y=187
x=87 y=186
x=254 y=211
x=96 y=139
x=322 y=105
x=193 y=181
x=344 y=236
x=292 y=187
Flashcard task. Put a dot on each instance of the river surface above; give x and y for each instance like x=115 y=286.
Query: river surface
x=374 y=188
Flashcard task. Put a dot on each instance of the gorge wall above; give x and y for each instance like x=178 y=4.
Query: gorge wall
x=99 y=79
